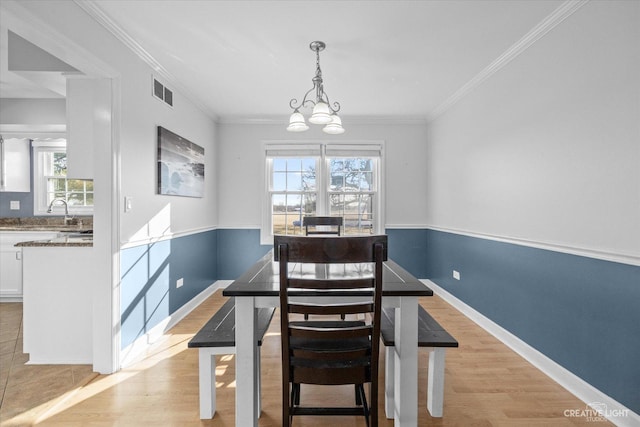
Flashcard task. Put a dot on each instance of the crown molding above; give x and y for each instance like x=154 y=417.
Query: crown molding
x=565 y=10
x=353 y=120
x=92 y=8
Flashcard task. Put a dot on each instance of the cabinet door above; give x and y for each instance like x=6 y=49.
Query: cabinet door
x=11 y=272
x=15 y=165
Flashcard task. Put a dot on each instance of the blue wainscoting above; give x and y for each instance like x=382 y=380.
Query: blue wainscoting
x=408 y=247
x=581 y=312
x=239 y=250
x=148 y=273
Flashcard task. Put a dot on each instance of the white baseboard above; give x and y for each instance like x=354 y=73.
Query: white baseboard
x=137 y=349
x=598 y=404
x=223 y=283
x=60 y=361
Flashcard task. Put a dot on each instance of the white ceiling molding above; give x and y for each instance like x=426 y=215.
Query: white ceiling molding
x=100 y=17
x=356 y=120
x=565 y=10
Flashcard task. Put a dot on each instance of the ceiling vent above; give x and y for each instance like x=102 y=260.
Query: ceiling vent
x=162 y=93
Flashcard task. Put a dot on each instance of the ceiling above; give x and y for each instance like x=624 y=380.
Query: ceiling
x=247 y=59
x=26 y=84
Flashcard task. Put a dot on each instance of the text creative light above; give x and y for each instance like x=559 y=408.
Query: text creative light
x=324 y=112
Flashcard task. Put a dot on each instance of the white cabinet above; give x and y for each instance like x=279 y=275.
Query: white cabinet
x=58 y=305
x=15 y=165
x=11 y=261
x=10 y=272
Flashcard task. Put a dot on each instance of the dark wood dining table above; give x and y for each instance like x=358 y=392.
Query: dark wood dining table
x=259 y=287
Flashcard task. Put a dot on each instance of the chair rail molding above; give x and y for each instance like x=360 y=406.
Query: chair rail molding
x=623 y=258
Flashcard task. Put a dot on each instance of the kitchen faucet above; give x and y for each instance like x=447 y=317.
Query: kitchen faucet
x=67 y=218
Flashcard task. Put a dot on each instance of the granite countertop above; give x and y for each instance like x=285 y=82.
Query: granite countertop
x=76 y=232
x=53 y=223
x=72 y=239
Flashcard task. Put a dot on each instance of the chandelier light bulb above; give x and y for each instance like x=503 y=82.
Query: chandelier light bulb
x=335 y=126
x=296 y=123
x=321 y=114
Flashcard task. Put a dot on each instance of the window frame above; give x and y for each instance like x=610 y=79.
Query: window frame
x=322 y=152
x=40 y=205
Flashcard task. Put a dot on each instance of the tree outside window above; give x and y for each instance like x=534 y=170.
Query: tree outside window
x=331 y=183
x=51 y=181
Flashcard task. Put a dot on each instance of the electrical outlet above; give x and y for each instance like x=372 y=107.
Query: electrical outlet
x=128 y=203
x=14 y=205
x=456 y=274
x=179 y=282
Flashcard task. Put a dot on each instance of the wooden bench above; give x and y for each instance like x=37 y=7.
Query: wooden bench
x=430 y=335
x=218 y=336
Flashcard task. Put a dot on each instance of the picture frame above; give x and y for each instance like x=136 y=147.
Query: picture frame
x=181 y=165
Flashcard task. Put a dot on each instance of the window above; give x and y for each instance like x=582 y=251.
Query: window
x=293 y=192
x=322 y=179
x=352 y=192
x=50 y=181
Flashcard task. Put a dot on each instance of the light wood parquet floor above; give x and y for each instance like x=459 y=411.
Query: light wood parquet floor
x=486 y=384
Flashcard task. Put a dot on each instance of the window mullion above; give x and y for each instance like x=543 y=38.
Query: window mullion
x=323 y=184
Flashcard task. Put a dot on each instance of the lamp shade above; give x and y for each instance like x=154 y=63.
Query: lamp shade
x=296 y=123
x=321 y=114
x=335 y=126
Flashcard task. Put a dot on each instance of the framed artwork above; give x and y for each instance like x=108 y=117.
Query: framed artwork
x=180 y=165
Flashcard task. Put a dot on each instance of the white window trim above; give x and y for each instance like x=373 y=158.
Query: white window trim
x=40 y=204
x=319 y=150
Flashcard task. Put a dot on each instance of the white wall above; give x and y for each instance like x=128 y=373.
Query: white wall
x=548 y=148
x=141 y=114
x=32 y=111
x=152 y=215
x=241 y=180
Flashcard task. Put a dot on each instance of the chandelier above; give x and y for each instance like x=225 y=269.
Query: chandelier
x=324 y=113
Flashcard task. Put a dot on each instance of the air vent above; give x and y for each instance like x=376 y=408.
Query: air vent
x=162 y=93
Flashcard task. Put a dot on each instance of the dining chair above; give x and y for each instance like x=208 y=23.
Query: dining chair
x=335 y=222
x=329 y=351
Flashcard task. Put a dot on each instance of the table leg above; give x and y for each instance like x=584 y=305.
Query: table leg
x=388 y=381
x=258 y=382
x=435 y=382
x=246 y=402
x=207 y=384
x=406 y=363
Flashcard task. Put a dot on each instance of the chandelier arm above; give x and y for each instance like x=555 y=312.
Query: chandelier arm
x=292 y=104
x=304 y=101
x=336 y=105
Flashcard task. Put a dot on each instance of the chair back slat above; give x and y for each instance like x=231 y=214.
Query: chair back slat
x=330 y=333
x=330 y=250
x=322 y=221
x=331 y=309
x=331 y=283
